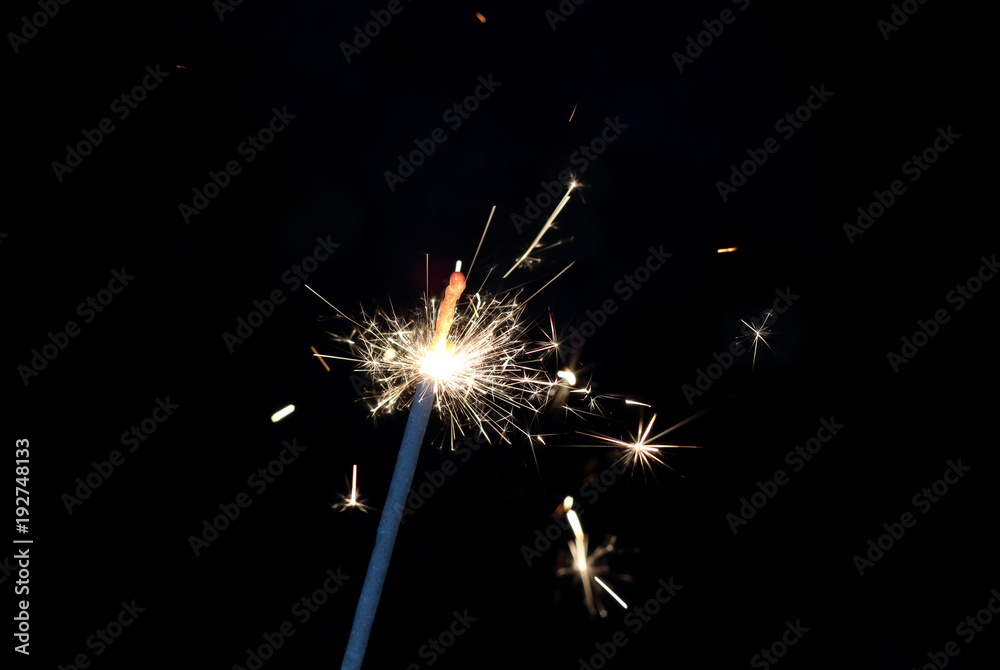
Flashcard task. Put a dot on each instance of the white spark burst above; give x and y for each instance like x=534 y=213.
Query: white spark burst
x=638 y=450
x=488 y=368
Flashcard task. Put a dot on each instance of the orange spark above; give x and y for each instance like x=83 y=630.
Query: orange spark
x=320 y=359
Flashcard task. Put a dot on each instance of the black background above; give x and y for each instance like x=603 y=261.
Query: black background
x=655 y=185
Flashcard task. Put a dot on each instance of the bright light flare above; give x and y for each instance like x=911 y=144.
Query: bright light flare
x=726 y=250
x=568 y=376
x=440 y=363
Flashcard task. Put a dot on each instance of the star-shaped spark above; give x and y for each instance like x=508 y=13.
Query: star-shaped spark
x=638 y=450
x=759 y=335
x=352 y=501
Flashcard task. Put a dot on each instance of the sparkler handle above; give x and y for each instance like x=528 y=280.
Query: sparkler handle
x=402 y=477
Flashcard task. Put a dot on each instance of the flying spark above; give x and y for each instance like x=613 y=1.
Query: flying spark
x=352 y=500
x=587 y=568
x=638 y=451
x=320 y=359
x=282 y=413
x=759 y=335
x=548 y=224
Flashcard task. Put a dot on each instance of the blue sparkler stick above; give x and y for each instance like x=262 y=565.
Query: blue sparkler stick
x=399 y=487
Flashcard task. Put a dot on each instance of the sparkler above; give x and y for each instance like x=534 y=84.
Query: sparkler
x=437 y=363
x=469 y=365
x=471 y=361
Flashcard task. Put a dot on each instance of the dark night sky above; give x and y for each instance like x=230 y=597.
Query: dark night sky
x=655 y=186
